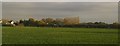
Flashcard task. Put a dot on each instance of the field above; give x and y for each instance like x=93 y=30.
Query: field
x=47 y=35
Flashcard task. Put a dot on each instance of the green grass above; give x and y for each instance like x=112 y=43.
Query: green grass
x=47 y=35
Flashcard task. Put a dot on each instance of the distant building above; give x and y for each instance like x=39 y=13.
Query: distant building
x=0 y=21
x=7 y=22
x=71 y=20
x=59 y=19
x=12 y=22
x=4 y=21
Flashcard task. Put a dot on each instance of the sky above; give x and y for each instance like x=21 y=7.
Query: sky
x=87 y=11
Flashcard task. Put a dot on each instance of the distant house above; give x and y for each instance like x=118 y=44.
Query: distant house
x=12 y=22
x=0 y=21
x=5 y=22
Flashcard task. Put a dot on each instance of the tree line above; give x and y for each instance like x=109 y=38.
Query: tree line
x=50 y=22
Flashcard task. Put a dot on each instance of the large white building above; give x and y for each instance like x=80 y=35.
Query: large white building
x=71 y=20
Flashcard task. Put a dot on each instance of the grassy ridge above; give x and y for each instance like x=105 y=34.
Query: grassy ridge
x=46 y=35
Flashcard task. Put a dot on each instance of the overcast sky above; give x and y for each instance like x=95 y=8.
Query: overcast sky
x=88 y=12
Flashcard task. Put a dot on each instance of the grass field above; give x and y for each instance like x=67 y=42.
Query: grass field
x=47 y=35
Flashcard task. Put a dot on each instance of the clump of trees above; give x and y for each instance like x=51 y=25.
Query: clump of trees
x=95 y=25
x=30 y=22
x=50 y=22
